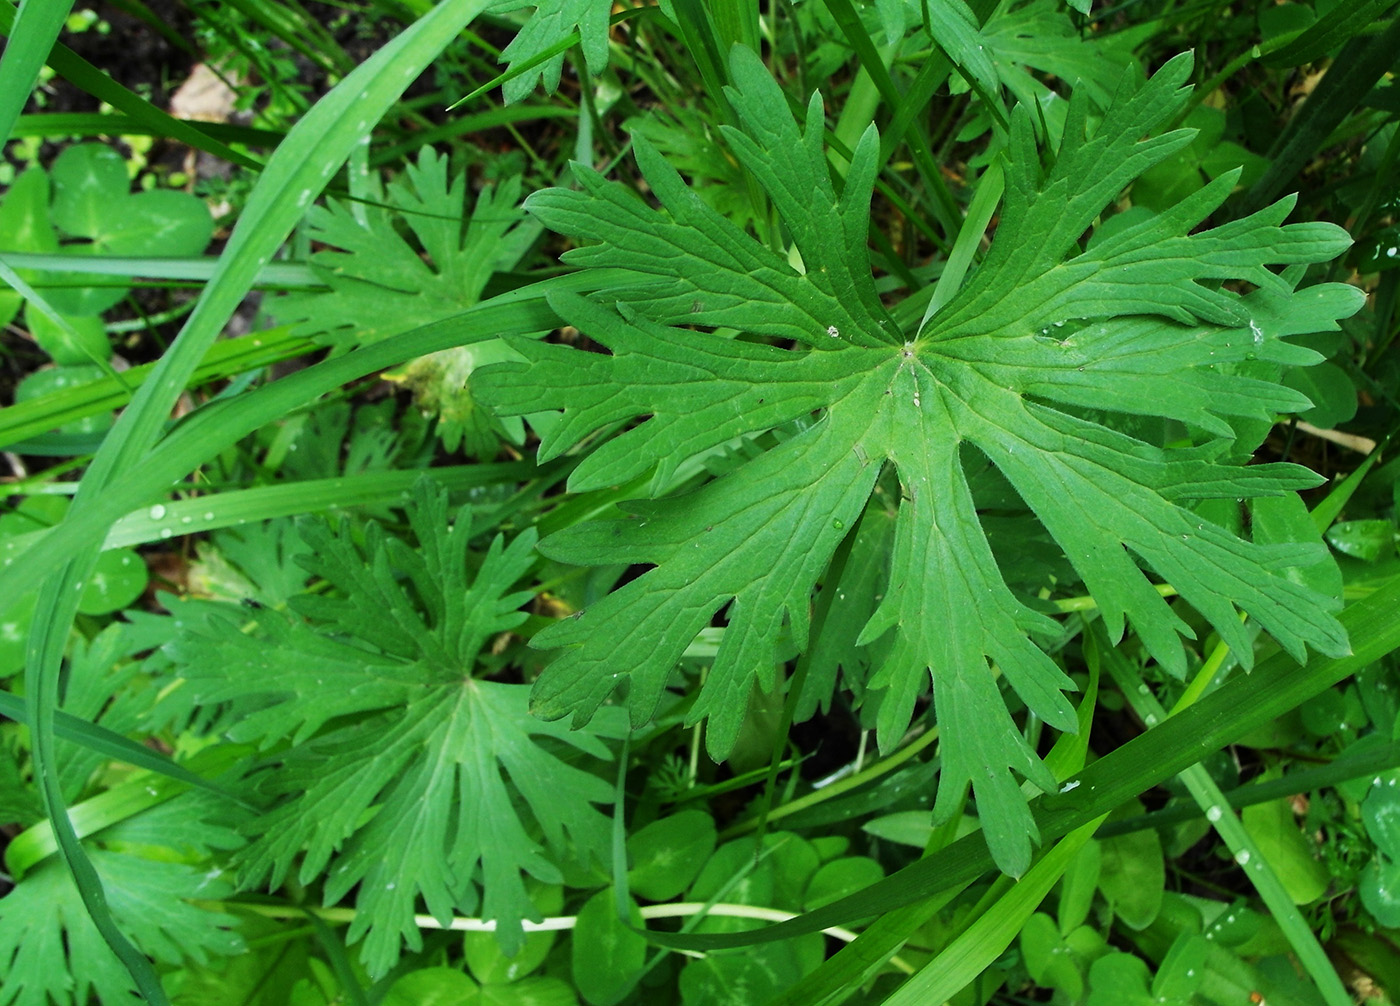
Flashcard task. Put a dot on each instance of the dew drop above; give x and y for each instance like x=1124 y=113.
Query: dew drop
x=1214 y=814
x=838 y=524
x=1241 y=857
x=157 y=511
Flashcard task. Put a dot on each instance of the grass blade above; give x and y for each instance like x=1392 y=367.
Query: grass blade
x=32 y=31
x=98 y=738
x=984 y=941
x=1228 y=825
x=225 y=359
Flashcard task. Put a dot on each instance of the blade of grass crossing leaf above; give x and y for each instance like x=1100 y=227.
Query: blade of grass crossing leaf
x=534 y=62
x=992 y=932
x=1211 y=800
x=221 y=424
x=243 y=506
x=979 y=214
x=98 y=738
x=275 y=274
x=1275 y=686
x=33 y=32
x=300 y=167
x=235 y=507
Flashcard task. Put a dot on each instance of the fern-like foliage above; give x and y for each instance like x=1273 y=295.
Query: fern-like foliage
x=1151 y=332
x=50 y=951
x=390 y=765
x=381 y=284
x=551 y=23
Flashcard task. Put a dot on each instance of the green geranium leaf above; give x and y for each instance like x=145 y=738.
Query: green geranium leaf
x=405 y=774
x=50 y=952
x=978 y=375
x=552 y=22
x=1043 y=331
x=381 y=286
x=1040 y=333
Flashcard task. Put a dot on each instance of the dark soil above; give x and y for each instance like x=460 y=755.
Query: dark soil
x=132 y=53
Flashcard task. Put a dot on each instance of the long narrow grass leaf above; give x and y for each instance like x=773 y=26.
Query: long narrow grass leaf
x=32 y=31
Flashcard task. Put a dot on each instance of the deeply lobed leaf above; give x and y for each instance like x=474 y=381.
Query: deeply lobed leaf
x=50 y=951
x=394 y=768
x=1138 y=322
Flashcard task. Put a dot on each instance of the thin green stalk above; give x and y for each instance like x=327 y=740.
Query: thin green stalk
x=32 y=31
x=876 y=770
x=995 y=926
